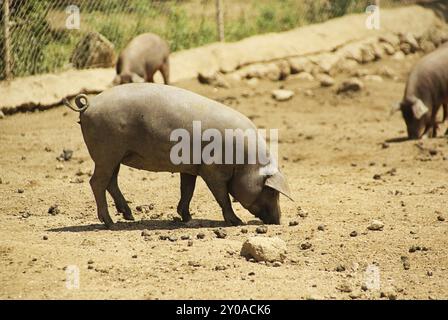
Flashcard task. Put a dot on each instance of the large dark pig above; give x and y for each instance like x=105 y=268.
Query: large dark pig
x=142 y=58
x=133 y=124
x=426 y=90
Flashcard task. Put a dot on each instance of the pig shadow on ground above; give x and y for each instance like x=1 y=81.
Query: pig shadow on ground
x=397 y=140
x=150 y=225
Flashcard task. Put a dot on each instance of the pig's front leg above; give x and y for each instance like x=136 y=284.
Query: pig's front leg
x=120 y=202
x=221 y=193
x=187 y=184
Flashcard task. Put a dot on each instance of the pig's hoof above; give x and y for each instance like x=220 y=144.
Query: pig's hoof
x=128 y=216
x=185 y=214
x=234 y=221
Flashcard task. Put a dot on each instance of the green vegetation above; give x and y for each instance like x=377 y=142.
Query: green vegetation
x=41 y=43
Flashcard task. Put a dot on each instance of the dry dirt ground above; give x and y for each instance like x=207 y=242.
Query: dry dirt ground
x=331 y=146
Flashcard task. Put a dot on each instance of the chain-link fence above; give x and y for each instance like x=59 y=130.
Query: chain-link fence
x=39 y=36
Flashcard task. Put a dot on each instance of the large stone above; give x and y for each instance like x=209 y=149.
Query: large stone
x=409 y=39
x=93 y=51
x=264 y=249
x=349 y=85
x=213 y=78
x=300 y=64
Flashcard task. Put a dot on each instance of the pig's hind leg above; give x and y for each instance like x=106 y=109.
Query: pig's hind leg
x=165 y=70
x=99 y=182
x=187 y=184
x=120 y=202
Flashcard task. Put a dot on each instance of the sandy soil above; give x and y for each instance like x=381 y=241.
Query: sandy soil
x=331 y=148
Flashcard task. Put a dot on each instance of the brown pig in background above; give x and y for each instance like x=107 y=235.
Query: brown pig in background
x=142 y=58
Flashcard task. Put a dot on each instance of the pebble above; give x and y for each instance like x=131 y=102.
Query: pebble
x=376 y=225
x=20 y=191
x=185 y=237
x=220 y=233
x=190 y=243
x=45 y=237
x=344 y=287
x=301 y=213
x=200 y=235
x=277 y=264
x=353 y=234
x=305 y=246
x=282 y=94
x=293 y=223
x=243 y=230
x=429 y=273
x=340 y=268
x=261 y=229
x=441 y=218
x=54 y=210
x=352 y=84
x=377 y=177
x=145 y=233
x=321 y=227
x=2 y=115
x=406 y=262
x=325 y=80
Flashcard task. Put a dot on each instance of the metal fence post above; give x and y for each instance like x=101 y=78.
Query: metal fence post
x=7 y=40
x=220 y=20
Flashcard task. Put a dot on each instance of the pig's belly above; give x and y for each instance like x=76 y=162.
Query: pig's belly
x=157 y=163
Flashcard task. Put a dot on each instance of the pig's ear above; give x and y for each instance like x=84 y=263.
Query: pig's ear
x=419 y=109
x=136 y=78
x=278 y=182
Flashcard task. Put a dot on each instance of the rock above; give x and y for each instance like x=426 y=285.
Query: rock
x=377 y=177
x=399 y=55
x=376 y=225
x=389 y=293
x=344 y=287
x=304 y=76
x=353 y=234
x=277 y=264
x=54 y=210
x=325 y=62
x=305 y=246
x=190 y=243
x=373 y=78
x=367 y=54
x=45 y=237
x=282 y=95
x=325 y=80
x=427 y=46
x=406 y=262
x=321 y=227
x=340 y=268
x=293 y=223
x=301 y=213
x=264 y=249
x=300 y=64
x=360 y=73
x=353 y=51
x=388 y=48
x=145 y=208
x=409 y=39
x=284 y=68
x=391 y=39
x=440 y=218
x=93 y=51
x=261 y=229
x=66 y=155
x=213 y=78
x=244 y=230
x=429 y=273
x=2 y=115
x=346 y=65
x=406 y=48
x=185 y=237
x=145 y=233
x=350 y=85
x=20 y=190
x=200 y=235
x=387 y=72
x=220 y=233
x=253 y=82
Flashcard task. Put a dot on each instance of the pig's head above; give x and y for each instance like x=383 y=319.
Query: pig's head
x=124 y=78
x=260 y=194
x=417 y=117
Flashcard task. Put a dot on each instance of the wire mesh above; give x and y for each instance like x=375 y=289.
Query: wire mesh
x=43 y=34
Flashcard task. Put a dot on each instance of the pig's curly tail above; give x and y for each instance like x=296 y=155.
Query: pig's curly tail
x=81 y=101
